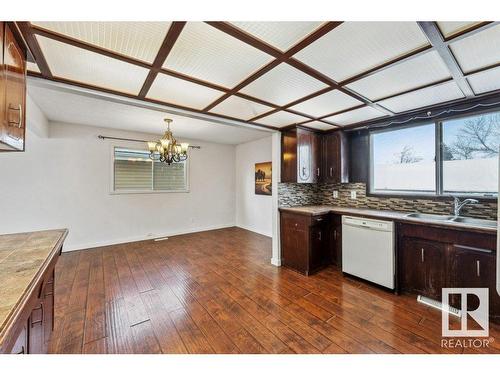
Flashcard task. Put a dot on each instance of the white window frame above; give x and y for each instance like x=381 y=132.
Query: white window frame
x=112 y=190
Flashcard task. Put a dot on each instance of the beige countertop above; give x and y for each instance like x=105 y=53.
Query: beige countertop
x=385 y=214
x=23 y=257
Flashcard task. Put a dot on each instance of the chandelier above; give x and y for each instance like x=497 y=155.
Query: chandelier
x=167 y=150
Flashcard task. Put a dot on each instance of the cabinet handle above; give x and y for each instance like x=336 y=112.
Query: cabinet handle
x=20 y=109
x=335 y=234
x=317 y=171
x=319 y=236
x=331 y=172
x=41 y=319
x=422 y=253
x=478 y=268
x=296 y=224
x=304 y=171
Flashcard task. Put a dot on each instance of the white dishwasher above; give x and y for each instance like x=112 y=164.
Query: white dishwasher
x=368 y=249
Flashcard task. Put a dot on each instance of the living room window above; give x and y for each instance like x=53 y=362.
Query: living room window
x=135 y=172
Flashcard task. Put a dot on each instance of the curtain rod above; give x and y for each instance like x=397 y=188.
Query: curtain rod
x=103 y=137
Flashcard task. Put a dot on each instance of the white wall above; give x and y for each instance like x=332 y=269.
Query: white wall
x=253 y=212
x=63 y=180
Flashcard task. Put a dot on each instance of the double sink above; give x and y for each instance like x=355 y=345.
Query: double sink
x=454 y=219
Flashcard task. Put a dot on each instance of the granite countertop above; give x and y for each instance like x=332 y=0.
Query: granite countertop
x=386 y=214
x=23 y=257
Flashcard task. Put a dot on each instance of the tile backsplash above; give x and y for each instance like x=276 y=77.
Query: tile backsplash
x=290 y=194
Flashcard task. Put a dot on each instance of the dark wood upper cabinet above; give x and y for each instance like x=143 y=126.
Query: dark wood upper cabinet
x=12 y=92
x=334 y=158
x=310 y=157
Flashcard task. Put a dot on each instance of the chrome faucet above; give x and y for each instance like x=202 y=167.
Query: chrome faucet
x=457 y=205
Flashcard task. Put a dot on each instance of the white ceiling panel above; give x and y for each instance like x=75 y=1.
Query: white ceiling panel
x=419 y=71
x=449 y=28
x=330 y=102
x=356 y=115
x=75 y=108
x=282 y=35
x=281 y=119
x=423 y=98
x=355 y=47
x=32 y=67
x=319 y=125
x=80 y=65
x=206 y=53
x=485 y=81
x=140 y=40
x=240 y=108
x=178 y=91
x=479 y=50
x=283 y=85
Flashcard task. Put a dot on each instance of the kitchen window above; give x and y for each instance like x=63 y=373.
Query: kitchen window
x=457 y=156
x=135 y=172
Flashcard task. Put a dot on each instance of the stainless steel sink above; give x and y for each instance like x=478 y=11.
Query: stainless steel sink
x=418 y=215
x=473 y=221
x=454 y=219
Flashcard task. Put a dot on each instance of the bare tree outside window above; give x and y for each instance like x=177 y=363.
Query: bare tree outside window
x=478 y=138
x=406 y=156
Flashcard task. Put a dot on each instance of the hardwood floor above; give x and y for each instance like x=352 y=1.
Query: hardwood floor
x=216 y=292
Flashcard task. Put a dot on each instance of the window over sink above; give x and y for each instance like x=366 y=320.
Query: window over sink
x=450 y=157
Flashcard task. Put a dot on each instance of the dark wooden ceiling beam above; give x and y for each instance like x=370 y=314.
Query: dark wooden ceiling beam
x=280 y=57
x=168 y=43
x=431 y=30
x=25 y=28
x=149 y=100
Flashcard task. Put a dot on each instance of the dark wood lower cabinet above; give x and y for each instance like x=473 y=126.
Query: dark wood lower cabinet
x=305 y=242
x=430 y=259
x=35 y=331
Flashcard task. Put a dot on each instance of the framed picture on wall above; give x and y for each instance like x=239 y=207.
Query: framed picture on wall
x=263 y=178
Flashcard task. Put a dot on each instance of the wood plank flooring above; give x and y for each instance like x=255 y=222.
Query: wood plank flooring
x=216 y=292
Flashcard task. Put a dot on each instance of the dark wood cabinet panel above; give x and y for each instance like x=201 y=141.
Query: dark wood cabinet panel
x=422 y=267
x=300 y=156
x=335 y=240
x=475 y=268
x=359 y=156
x=430 y=259
x=289 y=156
x=334 y=158
x=304 y=242
x=308 y=152
x=13 y=87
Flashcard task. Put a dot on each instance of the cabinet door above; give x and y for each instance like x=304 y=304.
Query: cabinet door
x=289 y=156
x=21 y=345
x=15 y=92
x=295 y=243
x=35 y=330
x=475 y=269
x=335 y=240
x=319 y=251
x=330 y=158
x=422 y=267
x=308 y=152
x=48 y=316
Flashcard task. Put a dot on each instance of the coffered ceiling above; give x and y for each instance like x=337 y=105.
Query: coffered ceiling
x=275 y=74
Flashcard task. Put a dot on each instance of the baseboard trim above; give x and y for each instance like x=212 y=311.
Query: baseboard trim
x=276 y=262
x=254 y=230
x=92 y=245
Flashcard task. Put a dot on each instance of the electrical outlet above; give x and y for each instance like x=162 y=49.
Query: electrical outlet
x=335 y=194
x=353 y=194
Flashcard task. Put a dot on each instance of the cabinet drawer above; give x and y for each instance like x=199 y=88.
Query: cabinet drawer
x=291 y=221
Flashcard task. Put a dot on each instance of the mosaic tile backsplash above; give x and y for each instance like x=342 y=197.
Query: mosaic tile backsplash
x=290 y=195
